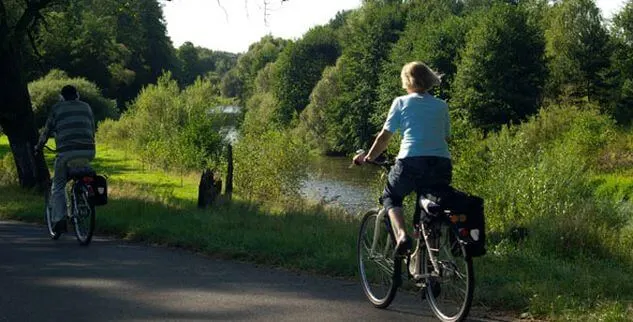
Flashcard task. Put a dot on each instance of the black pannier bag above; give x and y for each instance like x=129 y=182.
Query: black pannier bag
x=100 y=191
x=467 y=214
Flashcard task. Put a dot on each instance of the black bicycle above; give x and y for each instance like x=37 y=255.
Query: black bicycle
x=439 y=265
x=80 y=206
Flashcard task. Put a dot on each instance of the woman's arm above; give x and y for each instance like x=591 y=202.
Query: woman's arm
x=379 y=146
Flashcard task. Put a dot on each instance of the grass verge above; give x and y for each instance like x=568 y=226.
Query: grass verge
x=157 y=207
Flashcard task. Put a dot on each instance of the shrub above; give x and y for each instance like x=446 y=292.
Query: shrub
x=170 y=128
x=45 y=93
x=538 y=175
x=8 y=172
x=270 y=166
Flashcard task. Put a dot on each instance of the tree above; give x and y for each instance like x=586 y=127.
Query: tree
x=299 y=68
x=259 y=54
x=577 y=50
x=16 y=115
x=367 y=38
x=18 y=21
x=622 y=65
x=198 y=62
x=436 y=40
x=500 y=75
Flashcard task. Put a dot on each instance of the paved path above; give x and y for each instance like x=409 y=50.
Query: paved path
x=111 y=280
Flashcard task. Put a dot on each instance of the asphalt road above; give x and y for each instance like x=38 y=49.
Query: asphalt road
x=111 y=280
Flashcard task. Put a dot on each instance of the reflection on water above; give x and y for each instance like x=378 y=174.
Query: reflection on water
x=331 y=180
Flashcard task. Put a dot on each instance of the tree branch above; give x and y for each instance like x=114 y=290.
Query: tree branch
x=3 y=16
x=226 y=14
x=28 y=17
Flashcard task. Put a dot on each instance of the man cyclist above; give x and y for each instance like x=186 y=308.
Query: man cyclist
x=423 y=160
x=71 y=121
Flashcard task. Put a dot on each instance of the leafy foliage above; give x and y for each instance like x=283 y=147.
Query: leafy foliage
x=500 y=75
x=537 y=175
x=299 y=68
x=621 y=72
x=201 y=62
x=170 y=128
x=241 y=79
x=119 y=45
x=577 y=49
x=45 y=93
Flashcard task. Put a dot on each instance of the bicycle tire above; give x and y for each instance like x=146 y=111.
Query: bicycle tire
x=381 y=289
x=82 y=214
x=48 y=215
x=456 y=266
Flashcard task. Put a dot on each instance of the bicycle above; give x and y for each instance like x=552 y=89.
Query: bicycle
x=439 y=264
x=80 y=207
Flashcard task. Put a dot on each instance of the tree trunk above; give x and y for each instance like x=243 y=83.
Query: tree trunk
x=16 y=118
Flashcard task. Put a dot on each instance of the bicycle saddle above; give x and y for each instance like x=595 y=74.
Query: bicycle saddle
x=429 y=206
x=78 y=173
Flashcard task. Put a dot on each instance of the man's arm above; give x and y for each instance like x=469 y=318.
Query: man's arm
x=50 y=124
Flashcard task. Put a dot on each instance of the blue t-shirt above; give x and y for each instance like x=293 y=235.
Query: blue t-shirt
x=424 y=122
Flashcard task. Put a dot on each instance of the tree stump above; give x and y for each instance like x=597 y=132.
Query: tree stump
x=209 y=189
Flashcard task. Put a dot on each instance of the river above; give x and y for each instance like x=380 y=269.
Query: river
x=332 y=181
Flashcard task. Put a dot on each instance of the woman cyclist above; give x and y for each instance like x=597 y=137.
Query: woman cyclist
x=423 y=161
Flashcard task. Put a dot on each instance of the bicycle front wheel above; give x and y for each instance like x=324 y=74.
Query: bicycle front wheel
x=83 y=214
x=451 y=293
x=375 y=260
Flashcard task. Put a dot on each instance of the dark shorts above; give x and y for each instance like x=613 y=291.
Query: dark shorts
x=418 y=174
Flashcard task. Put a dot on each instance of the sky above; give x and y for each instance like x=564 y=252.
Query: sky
x=233 y=25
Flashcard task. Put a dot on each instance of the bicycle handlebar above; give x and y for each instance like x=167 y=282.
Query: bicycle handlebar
x=381 y=161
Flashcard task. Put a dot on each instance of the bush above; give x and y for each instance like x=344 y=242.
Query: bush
x=170 y=128
x=538 y=175
x=8 y=172
x=270 y=166
x=45 y=93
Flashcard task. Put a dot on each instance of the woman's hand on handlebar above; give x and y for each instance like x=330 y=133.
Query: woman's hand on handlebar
x=359 y=158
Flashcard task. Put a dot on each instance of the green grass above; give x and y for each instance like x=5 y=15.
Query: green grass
x=615 y=186
x=153 y=206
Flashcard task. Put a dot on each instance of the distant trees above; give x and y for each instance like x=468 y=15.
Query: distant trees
x=240 y=80
x=299 y=68
x=202 y=62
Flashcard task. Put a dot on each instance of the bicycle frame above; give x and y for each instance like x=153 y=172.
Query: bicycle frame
x=422 y=240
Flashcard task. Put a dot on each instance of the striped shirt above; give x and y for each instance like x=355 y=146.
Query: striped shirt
x=72 y=123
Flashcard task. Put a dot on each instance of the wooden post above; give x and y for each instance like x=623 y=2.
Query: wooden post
x=228 y=192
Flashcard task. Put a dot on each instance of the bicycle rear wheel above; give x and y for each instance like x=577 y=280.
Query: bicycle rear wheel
x=48 y=213
x=451 y=293
x=375 y=260
x=83 y=214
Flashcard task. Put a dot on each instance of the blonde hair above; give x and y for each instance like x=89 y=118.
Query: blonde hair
x=419 y=77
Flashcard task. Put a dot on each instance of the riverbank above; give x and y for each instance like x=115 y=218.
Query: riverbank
x=156 y=207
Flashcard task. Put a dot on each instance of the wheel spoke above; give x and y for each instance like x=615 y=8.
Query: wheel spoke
x=455 y=284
